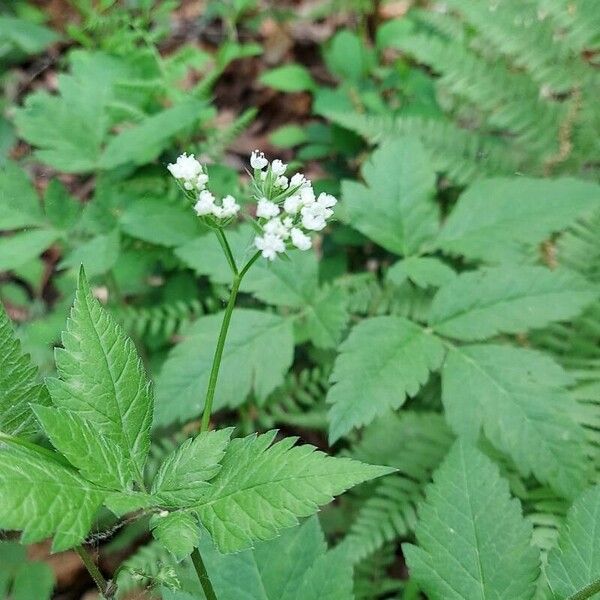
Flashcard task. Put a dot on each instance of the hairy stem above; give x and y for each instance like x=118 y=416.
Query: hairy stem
x=587 y=592
x=207 y=587
x=227 y=251
x=107 y=589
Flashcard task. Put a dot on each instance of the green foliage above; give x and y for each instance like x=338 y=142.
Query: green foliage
x=473 y=540
x=19 y=387
x=184 y=377
x=405 y=356
x=22 y=579
x=573 y=564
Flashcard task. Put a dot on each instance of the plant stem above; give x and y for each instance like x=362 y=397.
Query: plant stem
x=106 y=589
x=214 y=371
x=207 y=587
x=227 y=250
x=587 y=592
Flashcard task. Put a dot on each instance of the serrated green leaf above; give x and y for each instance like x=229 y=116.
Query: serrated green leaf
x=98 y=458
x=23 y=37
x=474 y=543
x=19 y=387
x=103 y=380
x=497 y=219
x=184 y=474
x=395 y=208
x=423 y=271
x=519 y=398
x=61 y=209
x=263 y=488
x=19 y=204
x=41 y=497
x=368 y=383
x=575 y=562
x=294 y=566
x=20 y=248
x=178 y=532
x=480 y=304
x=258 y=352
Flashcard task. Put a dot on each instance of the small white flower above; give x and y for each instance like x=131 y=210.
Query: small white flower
x=230 y=207
x=307 y=194
x=292 y=204
x=278 y=167
x=163 y=513
x=201 y=181
x=326 y=200
x=186 y=167
x=288 y=222
x=258 y=160
x=266 y=209
x=270 y=245
x=314 y=216
x=300 y=239
x=281 y=181
x=278 y=228
x=205 y=204
x=297 y=180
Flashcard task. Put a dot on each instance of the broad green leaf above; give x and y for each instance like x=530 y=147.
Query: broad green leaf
x=97 y=255
x=423 y=271
x=288 y=78
x=474 y=543
x=348 y=57
x=19 y=248
x=71 y=127
x=98 y=458
x=264 y=487
x=497 y=219
x=258 y=352
x=575 y=562
x=103 y=380
x=19 y=204
x=480 y=304
x=178 y=532
x=293 y=566
x=43 y=498
x=519 y=398
x=159 y=222
x=19 y=387
x=395 y=208
x=384 y=360
x=184 y=474
x=142 y=143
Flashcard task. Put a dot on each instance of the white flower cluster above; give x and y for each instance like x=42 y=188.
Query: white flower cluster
x=286 y=209
x=189 y=172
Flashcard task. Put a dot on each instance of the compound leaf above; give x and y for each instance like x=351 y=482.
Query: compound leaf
x=480 y=304
x=103 y=380
x=182 y=477
x=368 y=383
x=395 y=208
x=42 y=497
x=519 y=398
x=264 y=487
x=474 y=543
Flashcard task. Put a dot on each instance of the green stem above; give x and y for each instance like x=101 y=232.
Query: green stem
x=107 y=589
x=207 y=587
x=227 y=250
x=587 y=592
x=216 y=365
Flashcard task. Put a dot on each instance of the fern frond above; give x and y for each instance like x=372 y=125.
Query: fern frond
x=222 y=138
x=414 y=443
x=150 y=564
x=461 y=154
x=299 y=402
